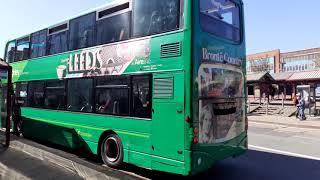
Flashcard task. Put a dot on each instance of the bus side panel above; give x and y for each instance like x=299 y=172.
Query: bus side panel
x=83 y=131
x=168 y=120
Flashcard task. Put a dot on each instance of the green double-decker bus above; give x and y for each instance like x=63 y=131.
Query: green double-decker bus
x=155 y=83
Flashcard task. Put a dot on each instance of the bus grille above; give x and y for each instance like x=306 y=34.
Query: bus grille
x=163 y=88
x=171 y=50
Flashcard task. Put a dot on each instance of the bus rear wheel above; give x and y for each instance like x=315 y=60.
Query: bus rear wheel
x=112 y=151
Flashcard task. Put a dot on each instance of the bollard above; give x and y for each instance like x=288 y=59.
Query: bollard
x=282 y=99
x=267 y=107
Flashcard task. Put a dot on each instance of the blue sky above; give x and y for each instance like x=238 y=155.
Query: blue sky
x=270 y=24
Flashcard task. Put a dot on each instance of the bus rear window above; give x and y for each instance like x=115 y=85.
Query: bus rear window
x=221 y=18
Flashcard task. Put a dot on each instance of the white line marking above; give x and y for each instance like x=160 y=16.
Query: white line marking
x=283 y=152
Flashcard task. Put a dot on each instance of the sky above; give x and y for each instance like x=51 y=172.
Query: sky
x=272 y=24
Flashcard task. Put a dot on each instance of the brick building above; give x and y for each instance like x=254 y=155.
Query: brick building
x=264 y=62
x=288 y=70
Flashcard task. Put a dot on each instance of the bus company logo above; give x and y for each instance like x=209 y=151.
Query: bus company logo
x=220 y=58
x=107 y=60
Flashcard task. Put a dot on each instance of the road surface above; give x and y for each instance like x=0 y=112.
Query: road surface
x=276 y=152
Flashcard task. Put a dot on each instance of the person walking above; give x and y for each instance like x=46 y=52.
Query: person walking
x=295 y=103
x=301 y=107
x=16 y=116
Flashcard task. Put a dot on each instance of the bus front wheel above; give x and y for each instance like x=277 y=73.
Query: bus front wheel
x=112 y=151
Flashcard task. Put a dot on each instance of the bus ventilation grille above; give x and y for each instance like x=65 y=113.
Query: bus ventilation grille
x=163 y=88
x=171 y=50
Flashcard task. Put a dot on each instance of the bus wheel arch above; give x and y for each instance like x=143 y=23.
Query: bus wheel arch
x=110 y=149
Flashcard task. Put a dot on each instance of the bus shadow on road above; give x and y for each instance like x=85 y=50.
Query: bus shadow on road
x=256 y=165
x=251 y=166
x=263 y=165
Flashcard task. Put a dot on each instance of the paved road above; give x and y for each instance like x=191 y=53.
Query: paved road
x=298 y=141
x=273 y=155
x=18 y=165
x=276 y=152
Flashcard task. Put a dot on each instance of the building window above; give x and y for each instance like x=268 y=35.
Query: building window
x=80 y=95
x=154 y=16
x=141 y=100
x=10 y=53
x=39 y=44
x=55 y=95
x=82 y=32
x=23 y=49
x=112 y=95
x=36 y=94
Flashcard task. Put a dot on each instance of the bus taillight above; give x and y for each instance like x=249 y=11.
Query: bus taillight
x=195 y=130
x=188 y=119
x=195 y=140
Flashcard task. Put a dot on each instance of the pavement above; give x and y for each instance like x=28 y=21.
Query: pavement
x=311 y=122
x=15 y=164
x=80 y=166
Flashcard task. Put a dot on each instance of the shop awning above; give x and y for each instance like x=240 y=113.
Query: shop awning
x=305 y=76
x=282 y=76
x=259 y=77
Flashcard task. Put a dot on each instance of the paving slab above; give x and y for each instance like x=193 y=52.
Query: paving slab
x=311 y=122
x=68 y=161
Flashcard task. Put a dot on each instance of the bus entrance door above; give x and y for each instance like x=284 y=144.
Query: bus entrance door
x=168 y=118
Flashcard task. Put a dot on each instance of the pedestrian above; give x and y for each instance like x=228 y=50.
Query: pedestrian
x=16 y=116
x=301 y=106
x=295 y=103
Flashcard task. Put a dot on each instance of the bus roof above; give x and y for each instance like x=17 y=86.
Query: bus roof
x=104 y=6
x=3 y=63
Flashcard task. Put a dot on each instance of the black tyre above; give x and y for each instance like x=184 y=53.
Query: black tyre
x=112 y=151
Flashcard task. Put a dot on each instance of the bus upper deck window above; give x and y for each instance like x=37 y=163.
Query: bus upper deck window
x=154 y=16
x=10 y=52
x=58 y=39
x=23 y=49
x=38 y=44
x=113 y=29
x=82 y=32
